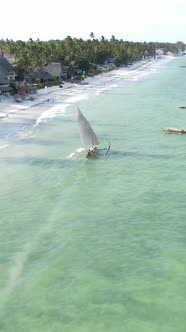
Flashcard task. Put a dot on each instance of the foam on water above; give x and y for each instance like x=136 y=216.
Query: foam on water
x=80 y=152
x=51 y=113
x=3 y=146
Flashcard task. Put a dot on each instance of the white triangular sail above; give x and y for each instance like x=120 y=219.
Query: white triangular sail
x=87 y=134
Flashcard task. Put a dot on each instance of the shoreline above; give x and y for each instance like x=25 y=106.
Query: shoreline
x=49 y=102
x=143 y=64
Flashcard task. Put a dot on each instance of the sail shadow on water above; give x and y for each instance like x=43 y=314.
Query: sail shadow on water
x=124 y=154
x=44 y=162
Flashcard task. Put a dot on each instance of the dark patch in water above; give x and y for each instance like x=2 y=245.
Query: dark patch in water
x=59 y=163
x=118 y=154
x=39 y=141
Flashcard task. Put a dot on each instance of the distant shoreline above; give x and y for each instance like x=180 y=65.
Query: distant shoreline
x=45 y=101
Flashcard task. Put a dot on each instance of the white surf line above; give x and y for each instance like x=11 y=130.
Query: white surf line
x=100 y=85
x=60 y=108
x=3 y=146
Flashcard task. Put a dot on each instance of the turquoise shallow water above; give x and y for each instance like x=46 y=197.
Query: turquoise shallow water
x=98 y=244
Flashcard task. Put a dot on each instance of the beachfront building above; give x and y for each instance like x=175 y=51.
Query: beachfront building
x=5 y=88
x=6 y=70
x=38 y=75
x=110 y=61
x=54 y=69
x=7 y=75
x=51 y=72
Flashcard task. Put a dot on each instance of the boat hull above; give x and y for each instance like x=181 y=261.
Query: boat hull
x=91 y=152
x=174 y=130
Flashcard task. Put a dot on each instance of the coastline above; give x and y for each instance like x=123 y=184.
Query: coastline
x=49 y=102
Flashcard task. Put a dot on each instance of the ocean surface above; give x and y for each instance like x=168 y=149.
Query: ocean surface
x=98 y=244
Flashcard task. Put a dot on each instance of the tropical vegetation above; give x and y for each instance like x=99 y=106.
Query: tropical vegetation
x=84 y=54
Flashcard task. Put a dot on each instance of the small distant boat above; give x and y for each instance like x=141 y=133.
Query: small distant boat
x=174 y=130
x=181 y=106
x=88 y=136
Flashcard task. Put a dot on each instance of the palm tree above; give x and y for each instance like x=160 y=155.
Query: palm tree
x=92 y=35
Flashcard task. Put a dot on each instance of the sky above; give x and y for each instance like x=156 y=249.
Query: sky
x=132 y=20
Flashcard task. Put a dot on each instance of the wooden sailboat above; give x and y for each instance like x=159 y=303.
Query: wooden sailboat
x=88 y=136
x=174 y=130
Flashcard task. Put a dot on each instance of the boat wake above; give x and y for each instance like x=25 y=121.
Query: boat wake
x=79 y=153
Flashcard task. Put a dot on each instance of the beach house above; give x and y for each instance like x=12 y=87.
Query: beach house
x=51 y=72
x=7 y=75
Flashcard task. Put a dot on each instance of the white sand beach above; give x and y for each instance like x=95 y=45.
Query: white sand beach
x=50 y=102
